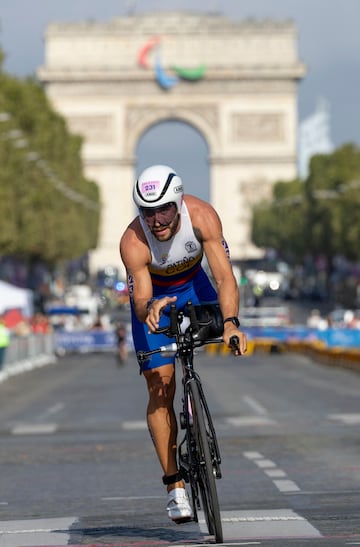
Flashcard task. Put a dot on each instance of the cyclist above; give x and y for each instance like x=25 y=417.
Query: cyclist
x=162 y=250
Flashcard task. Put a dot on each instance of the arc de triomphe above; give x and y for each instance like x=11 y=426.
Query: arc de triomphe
x=234 y=82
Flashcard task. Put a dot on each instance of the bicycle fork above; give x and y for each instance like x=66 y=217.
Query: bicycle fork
x=188 y=454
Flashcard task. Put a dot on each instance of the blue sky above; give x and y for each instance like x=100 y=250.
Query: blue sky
x=328 y=42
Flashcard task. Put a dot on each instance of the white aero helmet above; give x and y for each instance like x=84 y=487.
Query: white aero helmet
x=157 y=185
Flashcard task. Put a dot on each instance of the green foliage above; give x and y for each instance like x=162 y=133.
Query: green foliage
x=279 y=225
x=333 y=193
x=38 y=217
x=317 y=216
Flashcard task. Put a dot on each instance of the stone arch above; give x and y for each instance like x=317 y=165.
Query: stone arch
x=140 y=119
x=244 y=105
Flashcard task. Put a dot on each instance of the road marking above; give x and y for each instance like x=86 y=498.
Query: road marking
x=253 y=455
x=271 y=523
x=269 y=467
x=264 y=463
x=286 y=485
x=347 y=419
x=37 y=532
x=275 y=473
x=52 y=410
x=246 y=525
x=134 y=425
x=131 y=425
x=243 y=421
x=255 y=405
x=33 y=429
x=133 y=498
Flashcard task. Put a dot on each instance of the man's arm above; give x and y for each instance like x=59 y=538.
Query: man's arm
x=207 y=223
x=136 y=257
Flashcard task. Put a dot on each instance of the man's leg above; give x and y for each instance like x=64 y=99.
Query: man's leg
x=163 y=428
x=161 y=418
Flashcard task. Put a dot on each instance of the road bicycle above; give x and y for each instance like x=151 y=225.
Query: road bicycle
x=198 y=453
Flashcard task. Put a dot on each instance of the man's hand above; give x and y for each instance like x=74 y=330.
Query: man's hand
x=231 y=330
x=155 y=310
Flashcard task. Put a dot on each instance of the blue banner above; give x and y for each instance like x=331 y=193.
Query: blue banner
x=88 y=341
x=85 y=341
x=343 y=338
x=332 y=337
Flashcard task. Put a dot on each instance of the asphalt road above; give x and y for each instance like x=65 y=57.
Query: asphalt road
x=77 y=466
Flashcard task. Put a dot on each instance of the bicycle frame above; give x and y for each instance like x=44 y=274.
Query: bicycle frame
x=198 y=453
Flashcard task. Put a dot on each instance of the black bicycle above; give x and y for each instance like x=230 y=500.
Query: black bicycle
x=198 y=453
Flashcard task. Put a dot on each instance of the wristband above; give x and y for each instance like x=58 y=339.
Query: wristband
x=233 y=320
x=149 y=302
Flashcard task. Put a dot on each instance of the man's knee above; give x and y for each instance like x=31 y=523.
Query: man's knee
x=161 y=387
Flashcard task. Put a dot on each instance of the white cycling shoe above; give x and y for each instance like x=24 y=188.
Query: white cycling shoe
x=178 y=506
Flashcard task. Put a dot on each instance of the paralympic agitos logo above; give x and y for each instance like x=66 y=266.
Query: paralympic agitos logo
x=167 y=80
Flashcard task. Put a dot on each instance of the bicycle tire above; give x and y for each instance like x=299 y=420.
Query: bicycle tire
x=206 y=471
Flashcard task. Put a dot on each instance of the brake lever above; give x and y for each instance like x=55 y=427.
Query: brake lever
x=141 y=356
x=234 y=343
x=162 y=330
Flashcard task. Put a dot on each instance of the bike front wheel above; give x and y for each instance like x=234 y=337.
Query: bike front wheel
x=206 y=459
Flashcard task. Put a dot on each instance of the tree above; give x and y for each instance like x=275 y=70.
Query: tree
x=280 y=223
x=317 y=216
x=48 y=210
x=333 y=193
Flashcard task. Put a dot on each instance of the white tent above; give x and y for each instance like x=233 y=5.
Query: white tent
x=12 y=297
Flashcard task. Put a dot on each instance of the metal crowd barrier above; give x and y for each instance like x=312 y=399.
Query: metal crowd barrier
x=26 y=353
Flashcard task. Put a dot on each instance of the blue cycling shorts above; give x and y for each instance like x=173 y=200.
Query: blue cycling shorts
x=198 y=289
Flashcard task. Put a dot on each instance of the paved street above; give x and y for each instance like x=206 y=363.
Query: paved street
x=77 y=466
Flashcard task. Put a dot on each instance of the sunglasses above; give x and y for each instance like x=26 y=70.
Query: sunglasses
x=164 y=214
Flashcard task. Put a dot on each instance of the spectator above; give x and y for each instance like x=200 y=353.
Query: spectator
x=4 y=340
x=98 y=324
x=315 y=321
x=120 y=332
x=40 y=324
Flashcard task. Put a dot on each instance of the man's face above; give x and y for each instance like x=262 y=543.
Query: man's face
x=163 y=221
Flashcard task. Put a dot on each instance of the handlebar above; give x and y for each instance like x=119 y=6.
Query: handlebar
x=234 y=342
x=189 y=339
x=171 y=349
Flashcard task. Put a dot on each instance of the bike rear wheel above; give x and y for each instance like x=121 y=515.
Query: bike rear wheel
x=206 y=463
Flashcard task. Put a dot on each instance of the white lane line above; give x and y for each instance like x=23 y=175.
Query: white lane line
x=33 y=429
x=263 y=524
x=243 y=421
x=255 y=405
x=40 y=424
x=263 y=464
x=250 y=526
x=275 y=473
x=286 y=485
x=347 y=419
x=271 y=470
x=37 y=532
x=253 y=455
x=58 y=407
x=134 y=425
x=126 y=498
